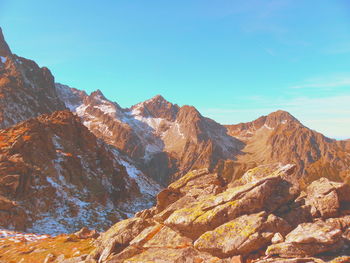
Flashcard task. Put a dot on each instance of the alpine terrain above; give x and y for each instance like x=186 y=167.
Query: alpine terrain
x=83 y=179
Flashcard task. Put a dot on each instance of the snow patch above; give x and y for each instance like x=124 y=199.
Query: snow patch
x=20 y=237
x=3 y=59
x=268 y=127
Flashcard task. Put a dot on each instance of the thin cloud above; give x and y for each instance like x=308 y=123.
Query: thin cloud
x=329 y=115
x=340 y=48
x=324 y=84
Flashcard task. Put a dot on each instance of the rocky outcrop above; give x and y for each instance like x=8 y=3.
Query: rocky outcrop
x=4 y=48
x=26 y=90
x=201 y=219
x=56 y=177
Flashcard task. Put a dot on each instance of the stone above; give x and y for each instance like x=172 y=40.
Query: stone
x=85 y=233
x=309 y=239
x=242 y=235
x=277 y=238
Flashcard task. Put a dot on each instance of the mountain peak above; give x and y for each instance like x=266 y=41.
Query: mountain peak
x=4 y=48
x=157 y=99
x=97 y=95
x=157 y=107
x=280 y=116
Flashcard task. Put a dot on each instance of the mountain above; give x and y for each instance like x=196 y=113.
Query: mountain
x=26 y=90
x=165 y=140
x=280 y=137
x=56 y=177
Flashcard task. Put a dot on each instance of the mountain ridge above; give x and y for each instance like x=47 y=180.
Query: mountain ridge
x=230 y=148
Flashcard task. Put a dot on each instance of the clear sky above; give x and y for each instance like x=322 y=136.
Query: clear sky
x=233 y=60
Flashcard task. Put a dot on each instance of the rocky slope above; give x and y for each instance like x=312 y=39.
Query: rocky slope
x=26 y=90
x=263 y=217
x=56 y=176
x=166 y=140
x=279 y=137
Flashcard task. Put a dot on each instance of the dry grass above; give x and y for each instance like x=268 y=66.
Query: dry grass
x=37 y=251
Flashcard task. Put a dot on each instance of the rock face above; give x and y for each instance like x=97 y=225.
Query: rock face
x=26 y=90
x=200 y=219
x=166 y=140
x=56 y=177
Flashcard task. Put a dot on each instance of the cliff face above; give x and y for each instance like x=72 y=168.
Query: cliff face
x=26 y=90
x=56 y=176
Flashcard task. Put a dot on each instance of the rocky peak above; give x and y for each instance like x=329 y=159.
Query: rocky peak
x=188 y=114
x=26 y=90
x=280 y=117
x=97 y=99
x=270 y=122
x=4 y=48
x=98 y=94
x=71 y=97
x=156 y=107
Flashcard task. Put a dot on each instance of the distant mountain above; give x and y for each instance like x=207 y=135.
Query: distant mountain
x=56 y=177
x=26 y=90
x=166 y=140
x=280 y=137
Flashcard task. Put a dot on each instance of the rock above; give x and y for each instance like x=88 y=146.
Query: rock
x=6 y=204
x=233 y=223
x=147 y=213
x=161 y=236
x=210 y=212
x=309 y=239
x=119 y=236
x=236 y=259
x=242 y=235
x=85 y=233
x=60 y=258
x=343 y=259
x=167 y=197
x=49 y=258
x=170 y=255
x=277 y=238
x=326 y=197
x=79 y=259
x=289 y=260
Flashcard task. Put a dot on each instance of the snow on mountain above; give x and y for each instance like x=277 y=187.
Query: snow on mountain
x=155 y=131
x=67 y=178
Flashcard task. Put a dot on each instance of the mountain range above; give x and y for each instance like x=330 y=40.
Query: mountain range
x=69 y=159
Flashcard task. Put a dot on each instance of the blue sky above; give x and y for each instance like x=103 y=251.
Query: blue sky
x=233 y=60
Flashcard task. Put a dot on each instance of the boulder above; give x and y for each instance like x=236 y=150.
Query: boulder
x=266 y=194
x=85 y=233
x=242 y=235
x=326 y=197
x=118 y=237
x=309 y=239
x=171 y=255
